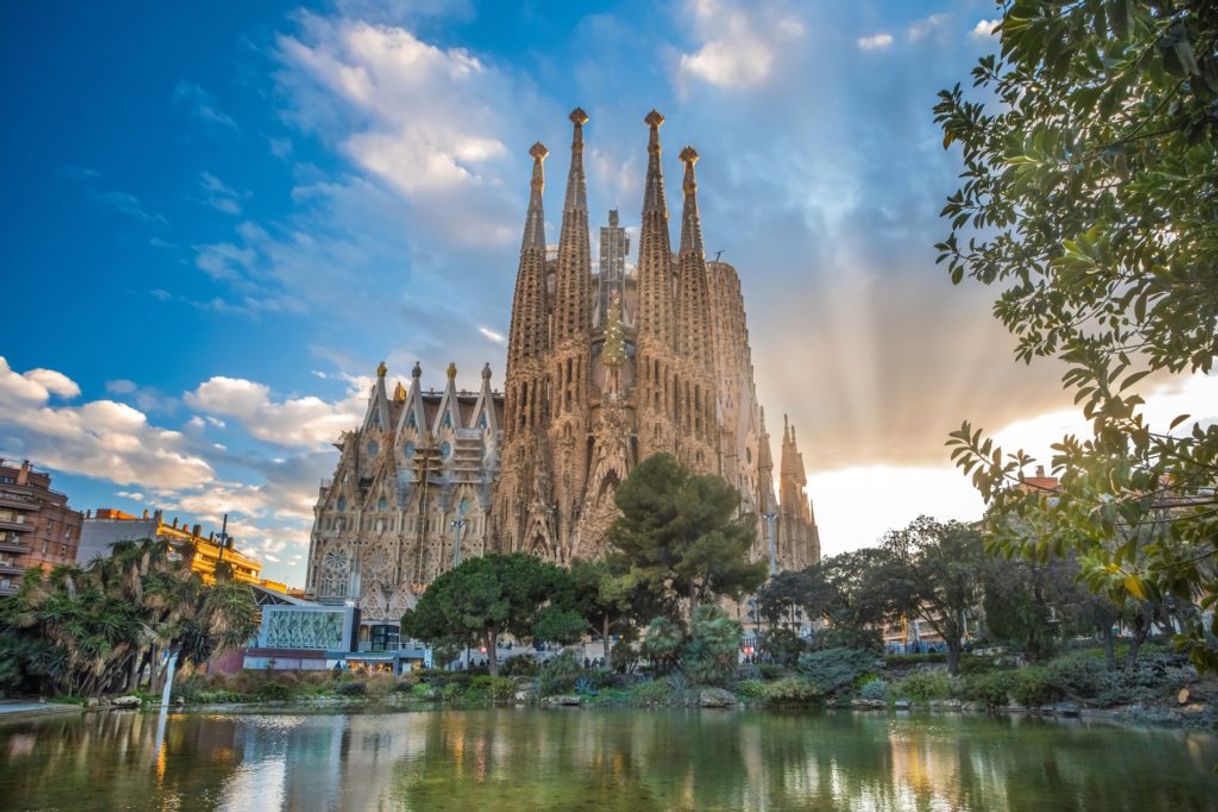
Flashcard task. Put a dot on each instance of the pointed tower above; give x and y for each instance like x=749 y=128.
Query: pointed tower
x=655 y=318
x=528 y=336
x=795 y=525
x=698 y=401
x=574 y=278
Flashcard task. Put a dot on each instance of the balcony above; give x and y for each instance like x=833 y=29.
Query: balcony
x=9 y=587
x=10 y=568
x=12 y=500
x=12 y=543
x=20 y=527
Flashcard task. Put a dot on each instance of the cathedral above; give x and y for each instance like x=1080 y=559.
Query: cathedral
x=606 y=365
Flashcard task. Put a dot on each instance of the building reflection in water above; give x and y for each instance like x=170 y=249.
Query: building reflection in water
x=612 y=759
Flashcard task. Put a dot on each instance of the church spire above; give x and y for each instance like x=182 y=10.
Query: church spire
x=574 y=277
x=535 y=221
x=527 y=336
x=693 y=290
x=655 y=252
x=691 y=222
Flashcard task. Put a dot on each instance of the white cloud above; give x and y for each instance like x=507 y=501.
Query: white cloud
x=875 y=42
x=100 y=438
x=429 y=119
x=219 y=195
x=492 y=335
x=121 y=386
x=739 y=43
x=926 y=27
x=307 y=421
x=200 y=104
x=984 y=29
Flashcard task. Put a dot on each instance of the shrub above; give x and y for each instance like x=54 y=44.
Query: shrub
x=584 y=686
x=652 y=692
x=497 y=689
x=678 y=685
x=836 y=668
x=1033 y=686
x=751 y=689
x=771 y=671
x=522 y=665
x=662 y=644
x=274 y=692
x=714 y=646
x=559 y=673
x=351 y=689
x=406 y=683
x=907 y=660
x=923 y=686
x=425 y=692
x=875 y=689
x=792 y=691
x=457 y=692
x=992 y=689
x=783 y=646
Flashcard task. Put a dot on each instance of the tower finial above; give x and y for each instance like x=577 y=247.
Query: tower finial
x=452 y=370
x=577 y=195
x=534 y=224
x=691 y=220
x=381 y=370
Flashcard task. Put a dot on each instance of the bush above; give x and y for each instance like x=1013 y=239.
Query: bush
x=662 y=644
x=522 y=665
x=771 y=671
x=836 y=668
x=274 y=692
x=351 y=689
x=1034 y=686
x=875 y=689
x=992 y=689
x=678 y=685
x=751 y=689
x=783 y=646
x=425 y=692
x=497 y=689
x=791 y=691
x=405 y=684
x=909 y=660
x=558 y=674
x=923 y=686
x=652 y=692
x=713 y=650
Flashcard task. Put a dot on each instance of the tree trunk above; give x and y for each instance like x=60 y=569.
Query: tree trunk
x=1140 y=631
x=953 y=655
x=1109 y=647
x=605 y=637
x=492 y=659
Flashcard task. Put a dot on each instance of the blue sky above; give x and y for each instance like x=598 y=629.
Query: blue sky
x=219 y=218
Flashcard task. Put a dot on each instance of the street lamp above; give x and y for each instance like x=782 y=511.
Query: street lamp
x=771 y=522
x=458 y=524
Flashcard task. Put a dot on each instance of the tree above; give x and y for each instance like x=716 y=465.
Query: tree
x=713 y=650
x=1025 y=603
x=1090 y=198
x=662 y=644
x=786 y=593
x=94 y=630
x=601 y=597
x=935 y=574
x=679 y=539
x=484 y=598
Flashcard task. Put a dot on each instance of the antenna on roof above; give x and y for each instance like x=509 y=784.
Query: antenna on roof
x=717 y=255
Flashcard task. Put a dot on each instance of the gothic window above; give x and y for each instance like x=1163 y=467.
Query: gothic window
x=482 y=421
x=447 y=422
x=373 y=447
x=334 y=574
x=446 y=450
x=408 y=449
x=410 y=421
x=382 y=504
x=342 y=503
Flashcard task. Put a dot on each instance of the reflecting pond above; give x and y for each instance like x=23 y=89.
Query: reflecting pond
x=508 y=759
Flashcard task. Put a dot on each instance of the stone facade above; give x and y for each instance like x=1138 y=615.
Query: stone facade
x=410 y=497
x=605 y=369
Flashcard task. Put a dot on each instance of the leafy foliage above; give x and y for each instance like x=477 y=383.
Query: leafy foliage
x=662 y=643
x=831 y=670
x=94 y=630
x=1090 y=197
x=679 y=538
x=482 y=598
x=713 y=650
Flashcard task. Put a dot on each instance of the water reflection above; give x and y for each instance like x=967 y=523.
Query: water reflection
x=530 y=759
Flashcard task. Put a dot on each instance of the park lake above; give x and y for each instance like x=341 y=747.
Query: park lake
x=534 y=759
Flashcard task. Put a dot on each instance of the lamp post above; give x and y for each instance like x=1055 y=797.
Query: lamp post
x=771 y=522
x=458 y=524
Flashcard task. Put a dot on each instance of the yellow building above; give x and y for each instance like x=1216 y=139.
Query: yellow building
x=105 y=526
